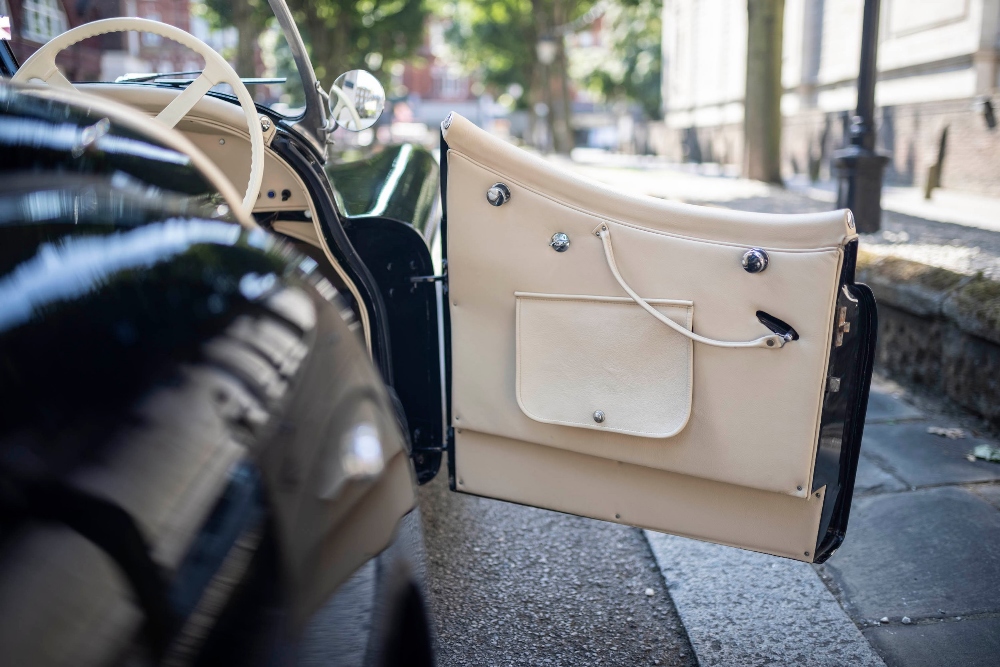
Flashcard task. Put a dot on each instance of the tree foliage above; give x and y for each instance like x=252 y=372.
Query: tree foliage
x=349 y=34
x=495 y=40
x=339 y=34
x=249 y=17
x=632 y=72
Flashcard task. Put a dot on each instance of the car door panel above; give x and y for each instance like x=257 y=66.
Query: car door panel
x=543 y=342
x=602 y=488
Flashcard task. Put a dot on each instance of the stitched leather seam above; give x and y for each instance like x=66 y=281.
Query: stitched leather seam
x=628 y=224
x=687 y=305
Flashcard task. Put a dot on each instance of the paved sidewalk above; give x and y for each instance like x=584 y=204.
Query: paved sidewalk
x=955 y=231
x=923 y=543
x=747 y=609
x=918 y=576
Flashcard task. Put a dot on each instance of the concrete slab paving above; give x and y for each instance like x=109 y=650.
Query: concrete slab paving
x=749 y=609
x=988 y=492
x=873 y=479
x=973 y=642
x=884 y=407
x=922 y=459
x=923 y=554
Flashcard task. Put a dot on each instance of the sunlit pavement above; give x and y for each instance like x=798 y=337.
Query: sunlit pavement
x=955 y=230
x=513 y=585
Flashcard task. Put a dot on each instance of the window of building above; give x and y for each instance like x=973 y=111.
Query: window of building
x=449 y=84
x=42 y=20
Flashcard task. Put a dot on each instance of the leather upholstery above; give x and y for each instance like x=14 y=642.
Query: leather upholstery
x=611 y=491
x=577 y=355
x=741 y=467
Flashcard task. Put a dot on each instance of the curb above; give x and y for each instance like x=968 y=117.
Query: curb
x=937 y=328
x=750 y=609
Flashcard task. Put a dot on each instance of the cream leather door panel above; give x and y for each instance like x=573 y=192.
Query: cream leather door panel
x=641 y=373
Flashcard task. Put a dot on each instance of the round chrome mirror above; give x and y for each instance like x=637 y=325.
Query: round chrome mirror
x=357 y=99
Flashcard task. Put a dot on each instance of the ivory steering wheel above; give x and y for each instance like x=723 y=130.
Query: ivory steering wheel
x=42 y=65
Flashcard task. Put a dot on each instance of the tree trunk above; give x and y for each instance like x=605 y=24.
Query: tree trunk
x=564 y=111
x=246 y=51
x=762 y=102
x=562 y=135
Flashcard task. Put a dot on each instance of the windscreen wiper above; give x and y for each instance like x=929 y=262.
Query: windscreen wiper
x=141 y=78
x=158 y=77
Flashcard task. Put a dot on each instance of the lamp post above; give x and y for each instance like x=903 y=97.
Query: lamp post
x=859 y=167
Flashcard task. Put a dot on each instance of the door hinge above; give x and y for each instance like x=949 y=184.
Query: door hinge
x=843 y=327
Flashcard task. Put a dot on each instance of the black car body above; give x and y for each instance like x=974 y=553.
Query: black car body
x=160 y=434
x=213 y=423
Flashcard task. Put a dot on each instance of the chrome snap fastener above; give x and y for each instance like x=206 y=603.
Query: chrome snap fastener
x=599 y=416
x=754 y=260
x=498 y=194
x=265 y=123
x=559 y=242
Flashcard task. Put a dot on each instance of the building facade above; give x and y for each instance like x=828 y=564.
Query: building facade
x=102 y=58
x=938 y=69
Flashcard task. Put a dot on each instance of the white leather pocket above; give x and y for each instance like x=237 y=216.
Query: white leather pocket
x=582 y=355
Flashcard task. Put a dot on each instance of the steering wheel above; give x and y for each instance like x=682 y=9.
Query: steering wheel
x=42 y=65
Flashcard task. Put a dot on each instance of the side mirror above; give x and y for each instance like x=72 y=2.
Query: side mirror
x=356 y=101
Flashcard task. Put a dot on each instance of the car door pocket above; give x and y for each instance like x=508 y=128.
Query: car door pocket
x=603 y=363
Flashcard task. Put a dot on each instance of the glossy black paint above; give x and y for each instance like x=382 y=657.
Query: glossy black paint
x=8 y=63
x=117 y=167
x=77 y=361
x=114 y=297
x=387 y=203
x=843 y=416
x=397 y=183
x=307 y=165
x=396 y=255
x=446 y=315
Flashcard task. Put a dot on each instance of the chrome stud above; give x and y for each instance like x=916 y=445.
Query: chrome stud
x=498 y=194
x=446 y=123
x=265 y=123
x=754 y=260
x=559 y=242
x=599 y=416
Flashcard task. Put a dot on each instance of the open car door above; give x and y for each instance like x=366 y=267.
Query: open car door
x=691 y=370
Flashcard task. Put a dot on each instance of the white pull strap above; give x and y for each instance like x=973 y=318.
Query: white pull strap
x=773 y=341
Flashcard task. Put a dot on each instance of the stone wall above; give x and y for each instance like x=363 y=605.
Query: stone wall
x=938 y=329
x=910 y=133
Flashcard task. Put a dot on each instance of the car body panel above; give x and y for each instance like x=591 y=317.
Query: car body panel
x=198 y=380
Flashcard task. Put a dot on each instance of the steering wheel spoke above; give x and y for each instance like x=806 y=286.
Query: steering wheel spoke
x=183 y=103
x=57 y=79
